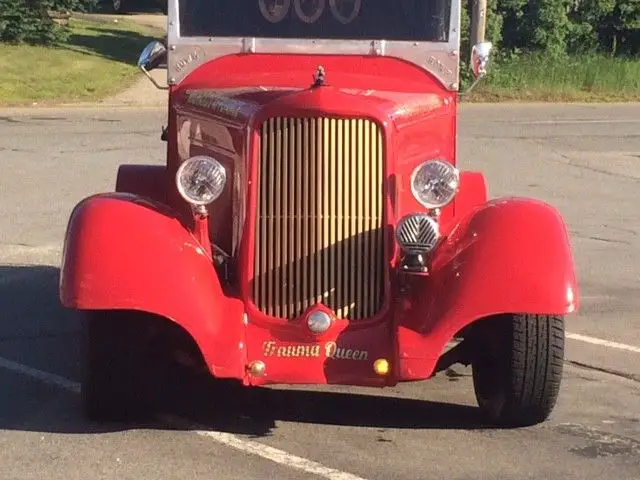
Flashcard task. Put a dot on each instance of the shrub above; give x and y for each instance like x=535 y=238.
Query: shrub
x=29 y=21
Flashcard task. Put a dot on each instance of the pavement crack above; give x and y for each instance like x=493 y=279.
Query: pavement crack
x=577 y=234
x=607 y=240
x=603 y=172
x=610 y=371
x=599 y=443
x=97 y=150
x=56 y=119
x=567 y=160
x=9 y=120
x=620 y=229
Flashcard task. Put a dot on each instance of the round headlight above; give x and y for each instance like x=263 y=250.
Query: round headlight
x=200 y=180
x=435 y=183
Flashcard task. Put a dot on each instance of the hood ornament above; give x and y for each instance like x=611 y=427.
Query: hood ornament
x=319 y=77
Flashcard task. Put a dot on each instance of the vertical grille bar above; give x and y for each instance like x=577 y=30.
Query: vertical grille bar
x=319 y=225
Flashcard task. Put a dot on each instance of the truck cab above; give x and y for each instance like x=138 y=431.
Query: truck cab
x=311 y=224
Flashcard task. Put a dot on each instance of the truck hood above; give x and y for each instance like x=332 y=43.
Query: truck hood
x=385 y=88
x=398 y=108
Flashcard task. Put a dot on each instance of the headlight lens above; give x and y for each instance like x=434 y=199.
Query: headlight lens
x=200 y=180
x=435 y=183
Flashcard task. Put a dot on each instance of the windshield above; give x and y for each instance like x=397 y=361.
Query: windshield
x=408 y=20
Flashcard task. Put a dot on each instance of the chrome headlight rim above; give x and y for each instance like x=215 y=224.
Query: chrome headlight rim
x=414 y=247
x=220 y=170
x=445 y=164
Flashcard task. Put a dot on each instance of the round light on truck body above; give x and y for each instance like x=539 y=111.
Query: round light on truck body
x=435 y=183
x=381 y=367
x=417 y=233
x=319 y=322
x=201 y=180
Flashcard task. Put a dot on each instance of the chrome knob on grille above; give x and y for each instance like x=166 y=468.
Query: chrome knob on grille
x=319 y=322
x=417 y=233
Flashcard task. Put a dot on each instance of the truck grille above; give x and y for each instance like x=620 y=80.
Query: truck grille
x=319 y=227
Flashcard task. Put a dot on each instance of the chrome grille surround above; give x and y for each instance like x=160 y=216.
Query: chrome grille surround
x=319 y=235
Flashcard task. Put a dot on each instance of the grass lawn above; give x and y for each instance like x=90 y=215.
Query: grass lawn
x=577 y=79
x=98 y=61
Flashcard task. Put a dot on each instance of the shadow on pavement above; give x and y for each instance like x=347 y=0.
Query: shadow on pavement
x=36 y=332
x=29 y=300
x=256 y=411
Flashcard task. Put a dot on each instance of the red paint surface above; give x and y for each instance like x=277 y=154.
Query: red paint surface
x=507 y=256
x=122 y=252
x=125 y=253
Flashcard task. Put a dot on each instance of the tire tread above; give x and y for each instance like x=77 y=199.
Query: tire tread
x=533 y=352
x=537 y=365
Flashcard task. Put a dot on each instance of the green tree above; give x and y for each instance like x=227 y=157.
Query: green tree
x=586 y=17
x=75 y=5
x=620 y=29
x=559 y=27
x=29 y=21
x=547 y=26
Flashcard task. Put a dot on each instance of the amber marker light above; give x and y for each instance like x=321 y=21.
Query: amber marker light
x=381 y=366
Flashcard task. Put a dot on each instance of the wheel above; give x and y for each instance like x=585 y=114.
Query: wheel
x=117 y=369
x=518 y=368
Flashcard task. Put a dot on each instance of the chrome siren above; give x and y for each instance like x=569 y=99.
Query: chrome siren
x=417 y=233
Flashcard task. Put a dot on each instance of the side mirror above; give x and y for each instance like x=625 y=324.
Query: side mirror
x=153 y=56
x=480 y=56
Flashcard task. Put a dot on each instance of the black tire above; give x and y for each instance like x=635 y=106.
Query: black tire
x=518 y=368
x=117 y=367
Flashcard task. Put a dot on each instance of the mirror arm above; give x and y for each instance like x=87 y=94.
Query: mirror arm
x=471 y=87
x=153 y=80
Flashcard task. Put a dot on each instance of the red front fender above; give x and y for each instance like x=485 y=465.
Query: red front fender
x=508 y=256
x=123 y=252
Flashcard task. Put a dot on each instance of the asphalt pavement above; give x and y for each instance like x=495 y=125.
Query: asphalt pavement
x=584 y=159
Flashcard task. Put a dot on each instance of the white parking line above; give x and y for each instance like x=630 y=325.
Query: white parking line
x=277 y=456
x=44 y=377
x=267 y=452
x=227 y=439
x=601 y=342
